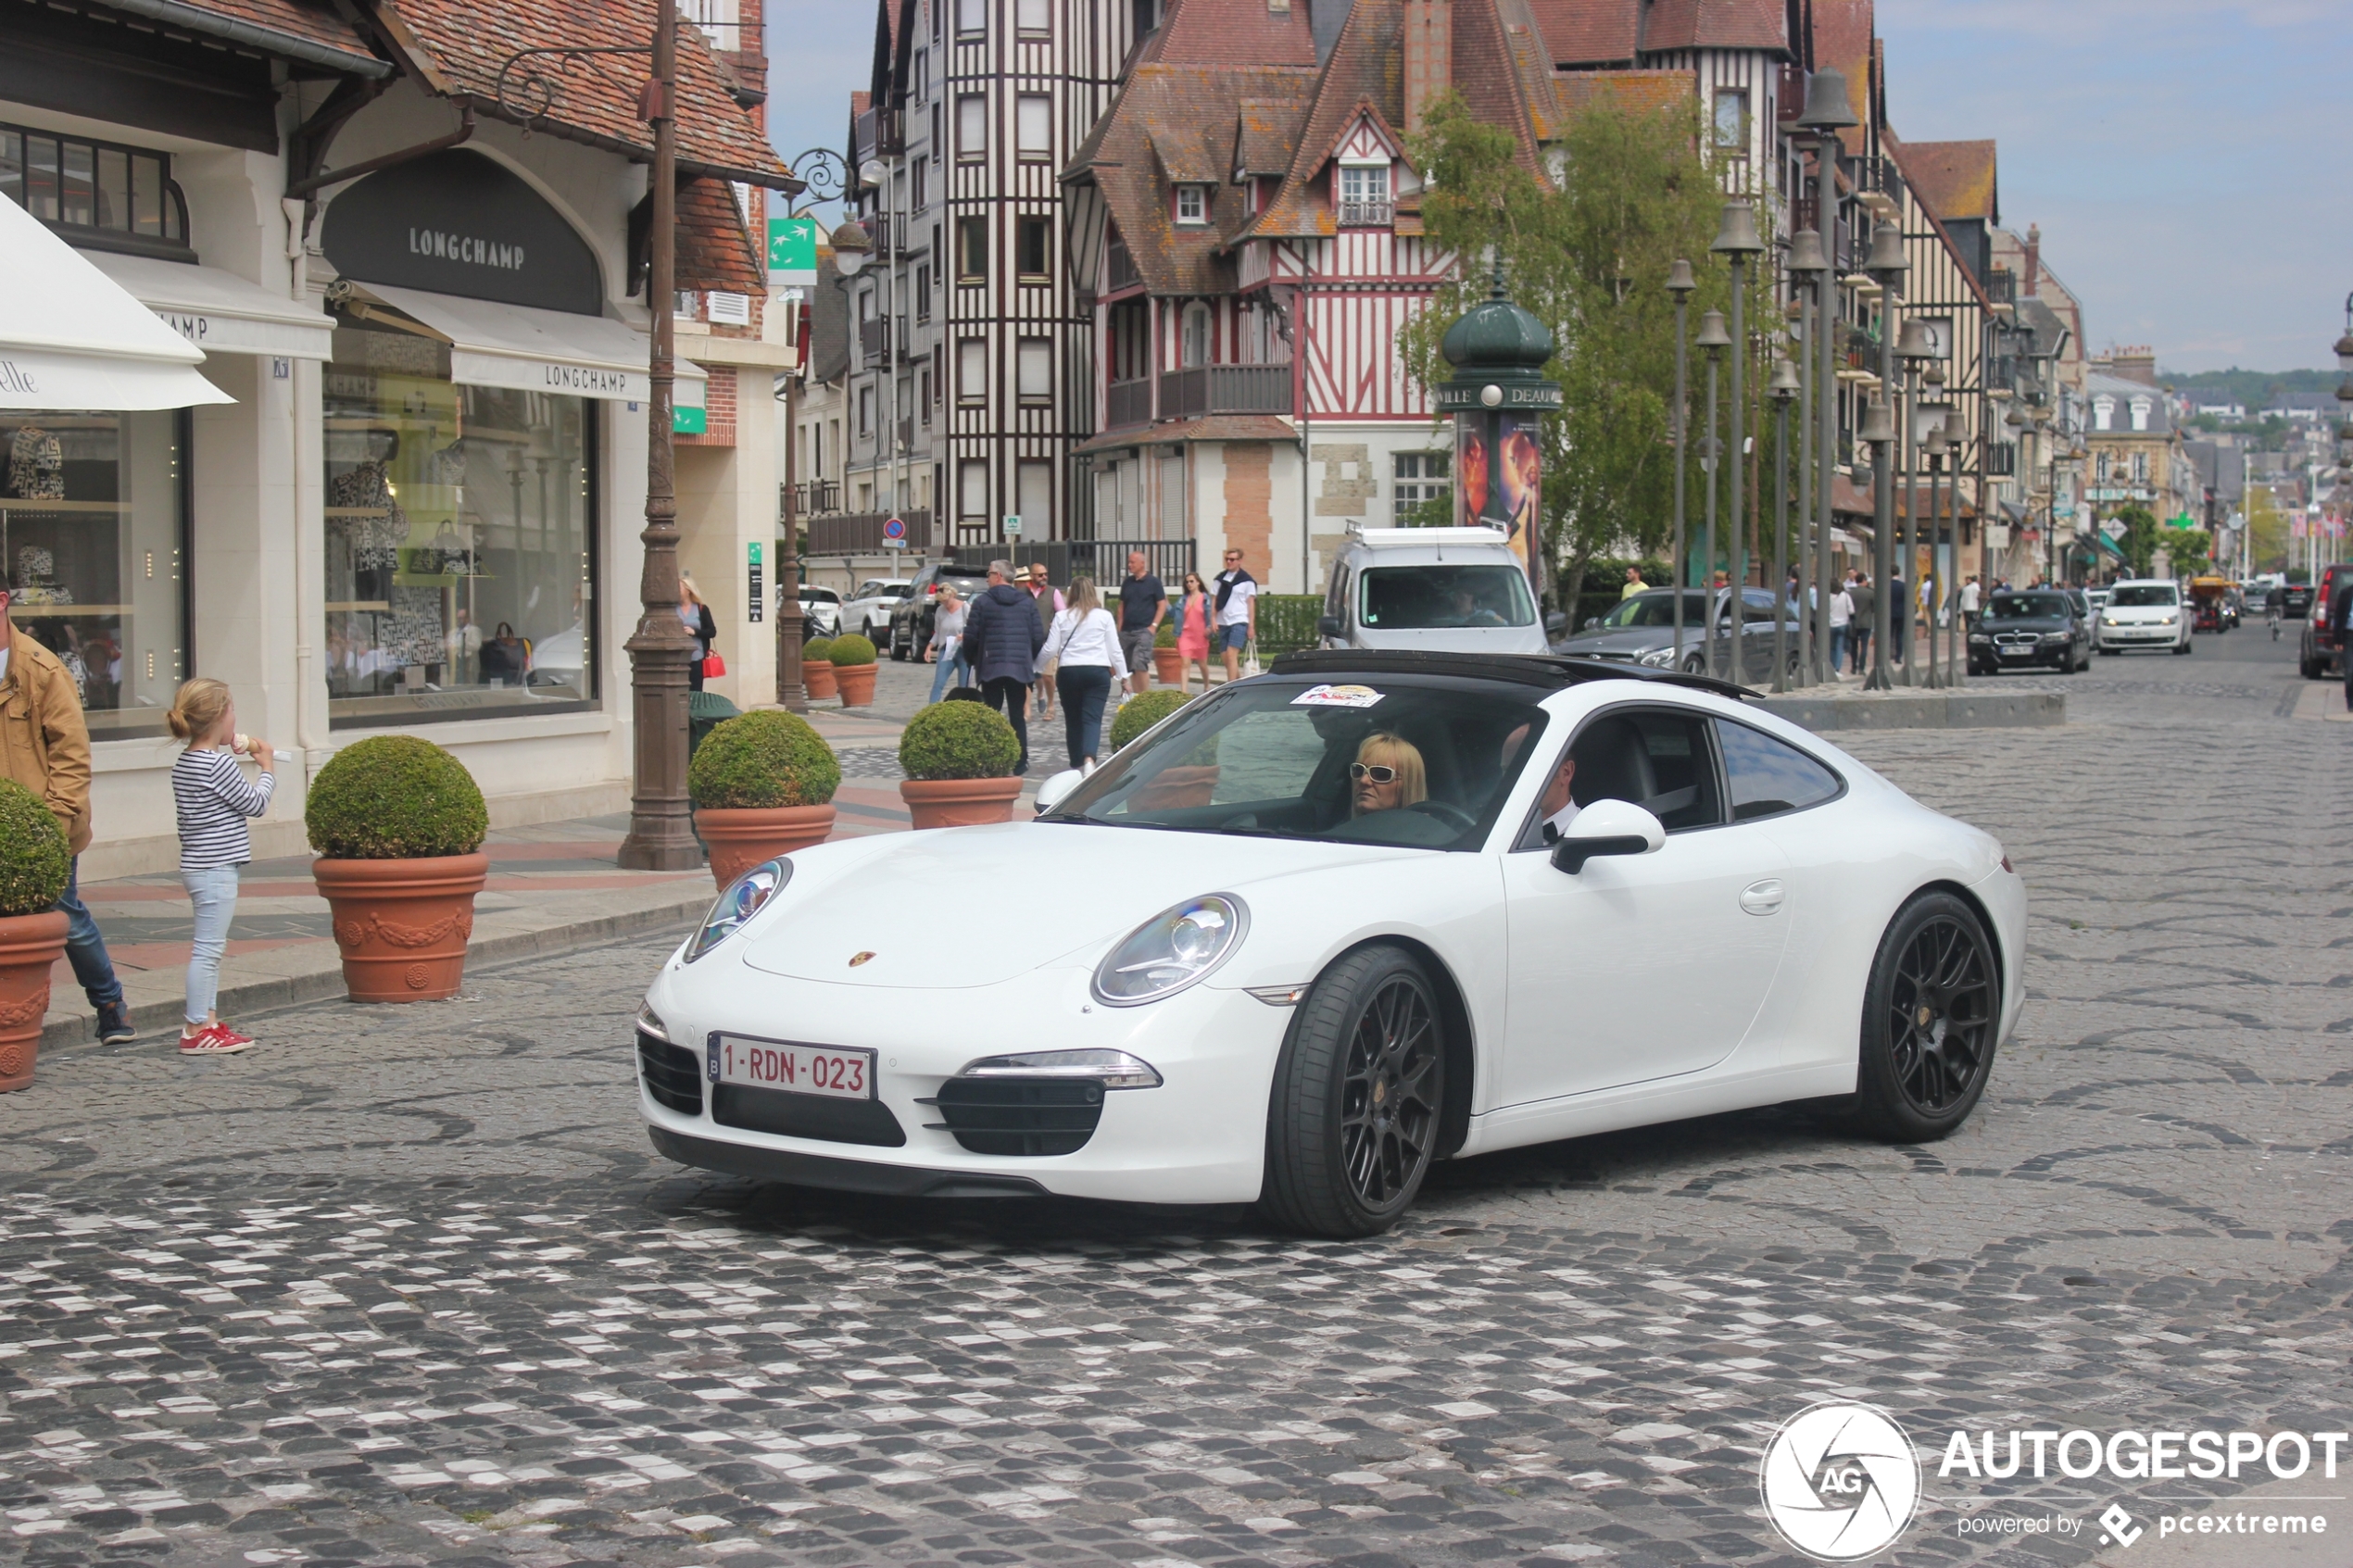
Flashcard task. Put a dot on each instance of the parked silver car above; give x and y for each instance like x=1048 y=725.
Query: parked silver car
x=1641 y=630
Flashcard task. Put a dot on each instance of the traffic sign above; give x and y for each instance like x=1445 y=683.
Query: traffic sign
x=1012 y=527
x=896 y=527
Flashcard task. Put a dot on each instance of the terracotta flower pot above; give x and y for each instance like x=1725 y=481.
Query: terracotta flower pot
x=959 y=803
x=1174 y=787
x=402 y=925
x=741 y=838
x=817 y=675
x=857 y=685
x=1168 y=667
x=28 y=944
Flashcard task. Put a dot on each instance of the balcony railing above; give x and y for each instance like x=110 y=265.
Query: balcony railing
x=860 y=533
x=871 y=341
x=2001 y=461
x=1368 y=215
x=1104 y=560
x=811 y=497
x=1130 y=403
x=879 y=133
x=1225 y=389
x=2001 y=287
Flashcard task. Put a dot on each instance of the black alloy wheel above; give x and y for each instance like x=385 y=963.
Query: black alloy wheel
x=1930 y=1017
x=1357 y=1097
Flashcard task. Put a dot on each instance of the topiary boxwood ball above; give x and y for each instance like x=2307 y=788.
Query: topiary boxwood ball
x=849 y=649
x=814 y=649
x=763 y=760
x=1166 y=636
x=1142 y=712
x=34 y=863
x=394 y=798
x=958 y=740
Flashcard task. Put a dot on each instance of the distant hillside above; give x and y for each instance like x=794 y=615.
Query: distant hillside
x=2253 y=389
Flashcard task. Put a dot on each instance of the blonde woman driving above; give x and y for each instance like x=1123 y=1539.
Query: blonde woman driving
x=1387 y=776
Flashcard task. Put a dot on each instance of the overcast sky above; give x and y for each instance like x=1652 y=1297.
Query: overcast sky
x=2187 y=159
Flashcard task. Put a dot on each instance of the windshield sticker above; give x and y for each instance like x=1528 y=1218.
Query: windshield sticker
x=1336 y=696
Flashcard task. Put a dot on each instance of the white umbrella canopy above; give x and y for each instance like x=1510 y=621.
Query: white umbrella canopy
x=72 y=338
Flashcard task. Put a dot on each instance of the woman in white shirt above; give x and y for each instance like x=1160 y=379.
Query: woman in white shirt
x=1082 y=650
x=1841 y=625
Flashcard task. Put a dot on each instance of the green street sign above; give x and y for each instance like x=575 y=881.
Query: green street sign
x=792 y=252
x=755 y=552
x=689 y=421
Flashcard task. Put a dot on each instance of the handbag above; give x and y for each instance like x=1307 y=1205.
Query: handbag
x=713 y=666
x=1249 y=659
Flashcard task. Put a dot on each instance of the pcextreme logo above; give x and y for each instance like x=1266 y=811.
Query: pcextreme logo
x=1840 y=1481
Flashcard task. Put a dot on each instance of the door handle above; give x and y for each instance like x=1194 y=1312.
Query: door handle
x=1763 y=897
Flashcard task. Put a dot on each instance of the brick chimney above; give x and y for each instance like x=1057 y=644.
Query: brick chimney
x=2136 y=363
x=1429 y=58
x=2033 y=258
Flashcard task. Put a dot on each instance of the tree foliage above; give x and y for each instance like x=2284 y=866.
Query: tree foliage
x=1590 y=259
x=2139 y=540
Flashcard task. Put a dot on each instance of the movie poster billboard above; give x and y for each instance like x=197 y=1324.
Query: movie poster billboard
x=1499 y=470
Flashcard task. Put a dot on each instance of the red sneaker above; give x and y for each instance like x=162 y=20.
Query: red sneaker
x=217 y=1039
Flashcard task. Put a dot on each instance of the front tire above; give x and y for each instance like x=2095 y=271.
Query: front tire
x=1929 y=1017
x=1358 y=1095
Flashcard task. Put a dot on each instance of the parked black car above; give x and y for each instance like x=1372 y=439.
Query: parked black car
x=910 y=617
x=2300 y=601
x=2024 y=630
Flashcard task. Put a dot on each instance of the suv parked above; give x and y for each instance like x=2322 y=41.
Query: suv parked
x=2144 y=612
x=912 y=617
x=2322 y=655
x=1443 y=590
x=868 y=610
x=2019 y=631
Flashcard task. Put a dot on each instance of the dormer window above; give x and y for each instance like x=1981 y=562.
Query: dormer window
x=1363 y=197
x=1192 y=204
x=2102 y=413
x=2140 y=413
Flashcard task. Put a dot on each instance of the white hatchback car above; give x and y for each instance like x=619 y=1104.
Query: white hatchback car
x=1365 y=912
x=2143 y=612
x=867 y=611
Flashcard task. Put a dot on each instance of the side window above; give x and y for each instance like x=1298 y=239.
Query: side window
x=1767 y=777
x=1656 y=758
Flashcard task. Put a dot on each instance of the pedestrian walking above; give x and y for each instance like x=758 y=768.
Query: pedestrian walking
x=695 y=616
x=946 y=645
x=1237 y=612
x=1899 y=619
x=1970 y=597
x=1858 y=623
x=1842 y=626
x=1634 y=583
x=1002 y=635
x=212 y=799
x=44 y=745
x=1195 y=618
x=1048 y=601
x=1086 y=650
x=1142 y=604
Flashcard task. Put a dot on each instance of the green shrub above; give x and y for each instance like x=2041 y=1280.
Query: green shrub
x=760 y=761
x=1142 y=712
x=394 y=798
x=849 y=648
x=1166 y=636
x=958 y=740
x=1286 y=623
x=814 y=650
x=34 y=863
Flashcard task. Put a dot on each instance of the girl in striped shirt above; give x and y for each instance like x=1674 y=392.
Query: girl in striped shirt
x=213 y=799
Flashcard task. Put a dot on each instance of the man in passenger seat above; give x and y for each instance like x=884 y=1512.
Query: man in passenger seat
x=1559 y=808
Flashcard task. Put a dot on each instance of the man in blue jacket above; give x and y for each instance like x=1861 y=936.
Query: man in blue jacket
x=1002 y=635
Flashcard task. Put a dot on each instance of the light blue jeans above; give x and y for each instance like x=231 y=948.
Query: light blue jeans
x=213 y=892
x=951 y=665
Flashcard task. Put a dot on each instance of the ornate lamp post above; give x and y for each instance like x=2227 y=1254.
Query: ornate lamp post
x=1782 y=387
x=1715 y=339
x=1887 y=266
x=1916 y=345
x=1828 y=112
x=1810 y=267
x=822 y=181
x=1736 y=241
x=1679 y=283
x=1933 y=450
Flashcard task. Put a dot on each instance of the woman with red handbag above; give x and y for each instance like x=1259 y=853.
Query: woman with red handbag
x=700 y=625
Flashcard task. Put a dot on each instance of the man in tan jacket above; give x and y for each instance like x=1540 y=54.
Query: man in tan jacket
x=45 y=746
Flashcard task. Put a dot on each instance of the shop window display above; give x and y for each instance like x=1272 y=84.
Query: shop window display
x=460 y=575
x=93 y=524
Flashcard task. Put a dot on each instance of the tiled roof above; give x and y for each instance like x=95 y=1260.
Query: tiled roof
x=714 y=248
x=1717 y=24
x=1265 y=136
x=1365 y=73
x=1219 y=32
x=465 y=42
x=1182 y=145
x=1588 y=32
x=318 y=24
x=1955 y=178
x=1638 y=92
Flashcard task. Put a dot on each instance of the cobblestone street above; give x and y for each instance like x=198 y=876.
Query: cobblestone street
x=408 y=1286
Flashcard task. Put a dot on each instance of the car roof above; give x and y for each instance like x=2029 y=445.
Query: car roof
x=1555 y=672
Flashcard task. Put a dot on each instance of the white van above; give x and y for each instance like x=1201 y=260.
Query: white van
x=1443 y=590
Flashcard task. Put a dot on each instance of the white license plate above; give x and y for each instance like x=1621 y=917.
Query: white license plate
x=831 y=1071
x=2016 y=653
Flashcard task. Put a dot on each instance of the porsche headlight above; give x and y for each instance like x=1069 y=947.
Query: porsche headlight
x=1170 y=952
x=743 y=898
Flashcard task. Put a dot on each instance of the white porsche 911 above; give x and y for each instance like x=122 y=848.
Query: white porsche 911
x=1317 y=930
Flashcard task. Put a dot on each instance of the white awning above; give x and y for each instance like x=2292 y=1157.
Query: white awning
x=218 y=310
x=72 y=338
x=534 y=350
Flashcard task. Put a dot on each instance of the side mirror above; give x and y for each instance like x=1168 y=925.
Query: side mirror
x=1330 y=626
x=1591 y=621
x=1055 y=790
x=1607 y=827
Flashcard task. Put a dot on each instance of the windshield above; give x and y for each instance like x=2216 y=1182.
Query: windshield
x=2027 y=606
x=1418 y=599
x=1279 y=757
x=1653 y=609
x=2143 y=596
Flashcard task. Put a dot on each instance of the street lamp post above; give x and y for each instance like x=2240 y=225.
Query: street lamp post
x=820 y=182
x=1736 y=241
x=1715 y=339
x=1806 y=262
x=1782 y=386
x=1828 y=112
x=1679 y=283
x=1916 y=345
x=1886 y=265
x=1932 y=450
x=662 y=835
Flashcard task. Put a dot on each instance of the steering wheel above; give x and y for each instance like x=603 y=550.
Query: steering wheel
x=1452 y=816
